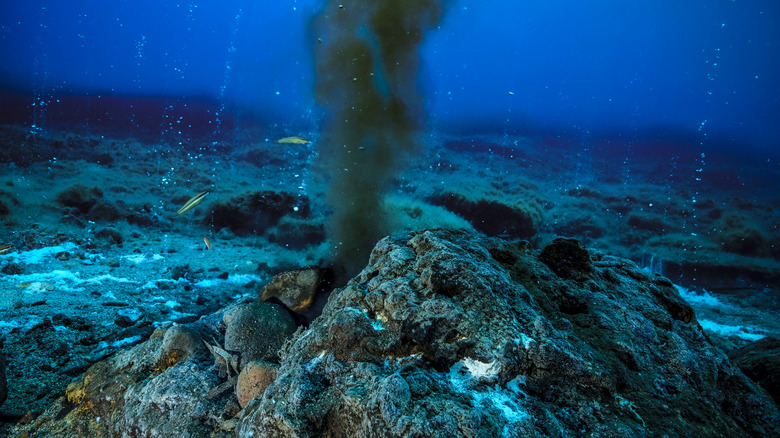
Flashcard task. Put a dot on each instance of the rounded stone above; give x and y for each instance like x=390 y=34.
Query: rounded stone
x=256 y=331
x=253 y=380
x=295 y=289
x=179 y=343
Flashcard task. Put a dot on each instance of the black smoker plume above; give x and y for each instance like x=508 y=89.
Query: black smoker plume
x=367 y=65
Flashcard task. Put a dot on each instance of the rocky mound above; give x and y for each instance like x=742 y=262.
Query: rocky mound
x=445 y=333
x=452 y=334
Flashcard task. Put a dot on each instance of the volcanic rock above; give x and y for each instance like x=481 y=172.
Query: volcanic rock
x=505 y=345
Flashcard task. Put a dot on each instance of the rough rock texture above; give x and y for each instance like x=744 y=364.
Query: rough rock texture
x=155 y=389
x=760 y=361
x=178 y=383
x=449 y=333
x=167 y=386
x=568 y=258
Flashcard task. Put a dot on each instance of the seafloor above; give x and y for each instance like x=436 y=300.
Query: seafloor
x=99 y=257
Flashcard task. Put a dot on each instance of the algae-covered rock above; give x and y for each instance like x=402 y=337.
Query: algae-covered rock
x=567 y=257
x=255 y=212
x=760 y=360
x=494 y=217
x=80 y=197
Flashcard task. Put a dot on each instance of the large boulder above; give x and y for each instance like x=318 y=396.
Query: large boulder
x=449 y=333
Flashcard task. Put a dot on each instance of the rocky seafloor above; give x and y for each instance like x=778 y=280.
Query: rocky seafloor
x=118 y=319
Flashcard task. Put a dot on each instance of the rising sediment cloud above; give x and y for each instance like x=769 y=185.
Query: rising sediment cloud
x=367 y=63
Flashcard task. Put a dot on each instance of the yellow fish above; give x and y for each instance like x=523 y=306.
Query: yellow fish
x=294 y=140
x=195 y=200
x=6 y=248
x=208 y=242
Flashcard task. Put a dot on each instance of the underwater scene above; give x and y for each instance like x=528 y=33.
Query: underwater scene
x=389 y=218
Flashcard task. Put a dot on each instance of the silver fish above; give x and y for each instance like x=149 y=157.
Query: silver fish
x=195 y=200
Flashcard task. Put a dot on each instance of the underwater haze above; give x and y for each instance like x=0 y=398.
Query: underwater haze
x=404 y=216
x=656 y=68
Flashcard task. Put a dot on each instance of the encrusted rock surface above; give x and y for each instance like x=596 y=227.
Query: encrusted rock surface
x=449 y=333
x=760 y=360
x=445 y=333
x=179 y=383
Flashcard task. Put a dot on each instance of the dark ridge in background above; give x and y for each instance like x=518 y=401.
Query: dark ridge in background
x=149 y=118
x=367 y=62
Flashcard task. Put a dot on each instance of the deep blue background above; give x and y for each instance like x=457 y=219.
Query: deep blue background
x=706 y=68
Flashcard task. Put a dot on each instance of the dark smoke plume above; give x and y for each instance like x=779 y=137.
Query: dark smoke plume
x=367 y=64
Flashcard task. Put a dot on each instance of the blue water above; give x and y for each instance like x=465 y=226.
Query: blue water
x=703 y=70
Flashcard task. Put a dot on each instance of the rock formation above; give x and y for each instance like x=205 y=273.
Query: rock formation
x=449 y=333
x=444 y=333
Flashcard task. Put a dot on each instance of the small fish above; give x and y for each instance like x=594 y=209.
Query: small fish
x=6 y=248
x=208 y=242
x=294 y=140
x=195 y=200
